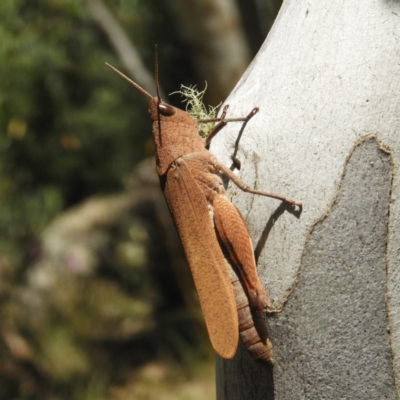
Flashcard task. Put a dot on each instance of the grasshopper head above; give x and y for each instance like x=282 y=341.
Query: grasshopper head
x=163 y=112
x=159 y=109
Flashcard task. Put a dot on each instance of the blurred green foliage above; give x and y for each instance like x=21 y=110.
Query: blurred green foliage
x=69 y=128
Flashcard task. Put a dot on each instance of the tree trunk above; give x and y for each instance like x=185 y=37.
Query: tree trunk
x=327 y=81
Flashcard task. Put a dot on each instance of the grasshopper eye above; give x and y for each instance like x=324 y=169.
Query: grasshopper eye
x=166 y=110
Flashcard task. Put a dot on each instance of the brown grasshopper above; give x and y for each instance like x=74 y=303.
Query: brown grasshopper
x=190 y=179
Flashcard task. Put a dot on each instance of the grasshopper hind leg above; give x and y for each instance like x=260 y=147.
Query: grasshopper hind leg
x=233 y=234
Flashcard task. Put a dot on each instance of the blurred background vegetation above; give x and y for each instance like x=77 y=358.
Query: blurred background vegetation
x=96 y=301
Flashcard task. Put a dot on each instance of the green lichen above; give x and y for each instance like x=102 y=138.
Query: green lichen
x=197 y=109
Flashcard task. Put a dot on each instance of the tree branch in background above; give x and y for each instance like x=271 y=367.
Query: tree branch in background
x=122 y=45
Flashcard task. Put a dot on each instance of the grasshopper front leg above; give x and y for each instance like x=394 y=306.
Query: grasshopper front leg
x=222 y=121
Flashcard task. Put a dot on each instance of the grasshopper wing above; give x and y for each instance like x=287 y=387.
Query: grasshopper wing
x=189 y=210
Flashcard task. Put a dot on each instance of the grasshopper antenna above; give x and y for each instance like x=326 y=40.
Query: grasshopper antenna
x=132 y=82
x=156 y=73
x=158 y=93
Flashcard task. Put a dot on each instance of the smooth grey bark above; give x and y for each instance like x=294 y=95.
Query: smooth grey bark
x=327 y=82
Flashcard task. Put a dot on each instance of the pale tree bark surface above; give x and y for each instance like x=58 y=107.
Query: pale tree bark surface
x=327 y=82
